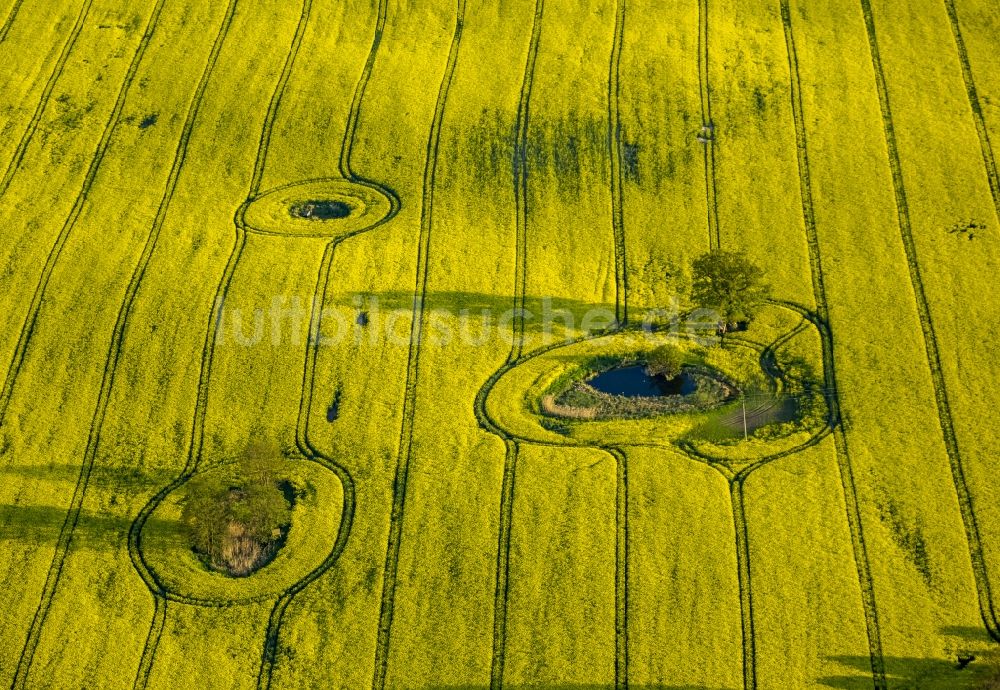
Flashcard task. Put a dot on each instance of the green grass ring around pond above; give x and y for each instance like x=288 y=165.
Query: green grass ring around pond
x=315 y=524
x=327 y=208
x=518 y=403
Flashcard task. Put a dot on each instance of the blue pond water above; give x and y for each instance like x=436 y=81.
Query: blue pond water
x=634 y=382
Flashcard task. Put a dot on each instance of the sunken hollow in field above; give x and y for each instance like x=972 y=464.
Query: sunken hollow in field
x=333 y=208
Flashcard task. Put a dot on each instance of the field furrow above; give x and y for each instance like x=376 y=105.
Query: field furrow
x=121 y=462
x=684 y=618
x=908 y=510
x=114 y=348
x=402 y=344
x=941 y=184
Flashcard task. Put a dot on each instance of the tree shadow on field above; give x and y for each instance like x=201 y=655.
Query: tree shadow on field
x=497 y=309
x=100 y=477
x=570 y=686
x=40 y=526
x=970 y=661
x=458 y=300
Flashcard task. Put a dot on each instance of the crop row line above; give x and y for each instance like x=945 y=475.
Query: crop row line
x=13 y=369
x=977 y=111
x=831 y=386
x=271 y=638
x=520 y=178
x=820 y=320
x=9 y=21
x=76 y=503
x=196 y=446
x=931 y=347
x=615 y=150
x=413 y=362
x=310 y=451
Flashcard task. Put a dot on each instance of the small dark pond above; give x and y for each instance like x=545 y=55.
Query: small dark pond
x=322 y=210
x=634 y=382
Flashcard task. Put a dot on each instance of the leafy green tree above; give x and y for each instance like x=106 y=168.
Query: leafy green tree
x=665 y=361
x=221 y=508
x=730 y=284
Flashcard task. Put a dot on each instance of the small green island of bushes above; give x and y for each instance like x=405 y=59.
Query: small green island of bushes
x=237 y=524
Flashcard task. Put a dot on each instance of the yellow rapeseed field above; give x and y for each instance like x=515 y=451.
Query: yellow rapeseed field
x=393 y=240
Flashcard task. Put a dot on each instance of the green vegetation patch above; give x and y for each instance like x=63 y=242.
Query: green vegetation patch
x=237 y=523
x=187 y=565
x=546 y=398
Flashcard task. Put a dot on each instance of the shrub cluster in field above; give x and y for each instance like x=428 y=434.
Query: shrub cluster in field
x=236 y=525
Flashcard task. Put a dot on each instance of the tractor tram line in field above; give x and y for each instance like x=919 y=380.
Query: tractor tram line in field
x=734 y=471
x=707 y=135
x=269 y=652
x=736 y=481
x=73 y=514
x=303 y=442
x=418 y=316
x=930 y=341
x=621 y=317
x=742 y=545
x=50 y=85
x=831 y=386
x=517 y=355
x=831 y=394
x=302 y=438
x=989 y=162
x=27 y=329
x=198 y=427
x=617 y=175
x=521 y=196
x=9 y=21
x=13 y=369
